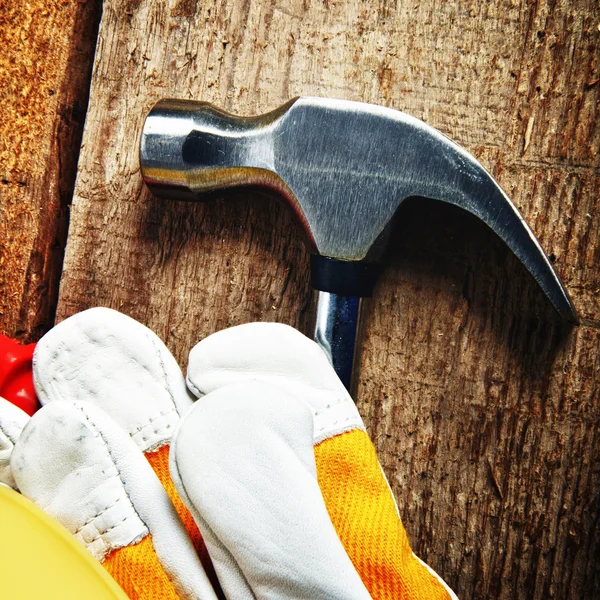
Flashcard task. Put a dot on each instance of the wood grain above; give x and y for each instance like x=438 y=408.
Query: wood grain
x=483 y=405
x=45 y=68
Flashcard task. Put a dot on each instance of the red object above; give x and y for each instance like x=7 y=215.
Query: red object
x=16 y=376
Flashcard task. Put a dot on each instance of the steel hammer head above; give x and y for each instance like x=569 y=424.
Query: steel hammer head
x=344 y=167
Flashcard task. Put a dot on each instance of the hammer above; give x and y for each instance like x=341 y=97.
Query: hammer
x=344 y=168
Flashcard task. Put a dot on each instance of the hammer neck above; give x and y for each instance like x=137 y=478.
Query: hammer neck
x=338 y=331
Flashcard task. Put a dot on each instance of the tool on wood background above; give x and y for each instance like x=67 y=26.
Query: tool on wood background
x=344 y=168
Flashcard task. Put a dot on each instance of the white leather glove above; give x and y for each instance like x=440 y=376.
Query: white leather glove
x=242 y=460
x=353 y=487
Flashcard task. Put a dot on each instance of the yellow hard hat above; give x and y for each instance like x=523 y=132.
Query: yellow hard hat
x=40 y=559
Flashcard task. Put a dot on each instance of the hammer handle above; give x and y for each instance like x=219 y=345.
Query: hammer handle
x=338 y=331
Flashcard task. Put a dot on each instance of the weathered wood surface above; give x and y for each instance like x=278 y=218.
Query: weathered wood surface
x=45 y=67
x=484 y=407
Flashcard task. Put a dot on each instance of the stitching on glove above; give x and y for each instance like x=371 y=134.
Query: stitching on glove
x=340 y=400
x=101 y=533
x=99 y=514
x=335 y=423
x=139 y=429
x=329 y=406
x=164 y=371
x=107 y=448
x=340 y=425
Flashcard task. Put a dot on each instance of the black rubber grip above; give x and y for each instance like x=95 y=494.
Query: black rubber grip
x=343 y=277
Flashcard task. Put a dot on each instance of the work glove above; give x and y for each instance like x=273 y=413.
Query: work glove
x=354 y=489
x=242 y=459
x=95 y=457
x=87 y=471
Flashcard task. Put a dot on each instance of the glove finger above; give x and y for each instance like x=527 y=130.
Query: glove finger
x=109 y=359
x=12 y=421
x=357 y=495
x=243 y=461
x=81 y=468
x=278 y=355
x=102 y=356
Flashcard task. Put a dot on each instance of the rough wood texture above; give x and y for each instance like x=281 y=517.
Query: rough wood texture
x=45 y=68
x=484 y=407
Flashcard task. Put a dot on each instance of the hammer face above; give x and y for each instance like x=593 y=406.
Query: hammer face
x=344 y=167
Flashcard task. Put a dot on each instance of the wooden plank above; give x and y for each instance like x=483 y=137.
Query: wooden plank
x=483 y=405
x=45 y=69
